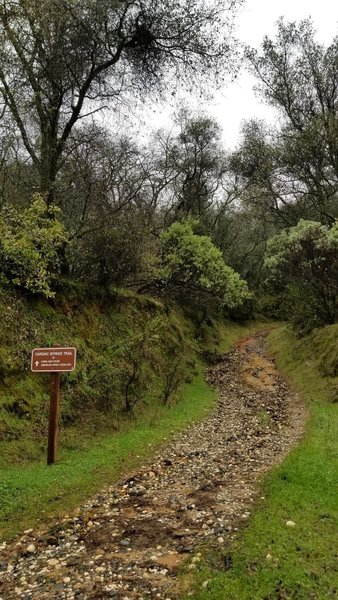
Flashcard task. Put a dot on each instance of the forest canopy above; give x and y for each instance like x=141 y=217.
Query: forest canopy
x=177 y=211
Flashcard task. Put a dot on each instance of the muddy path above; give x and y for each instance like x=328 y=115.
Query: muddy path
x=129 y=541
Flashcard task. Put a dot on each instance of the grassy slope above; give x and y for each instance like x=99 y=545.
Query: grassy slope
x=302 y=561
x=88 y=457
x=92 y=394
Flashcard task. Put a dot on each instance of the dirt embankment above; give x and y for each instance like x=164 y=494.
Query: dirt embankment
x=128 y=542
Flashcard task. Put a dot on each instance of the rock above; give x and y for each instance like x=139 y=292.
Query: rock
x=73 y=561
x=30 y=549
x=290 y=524
x=52 y=562
x=100 y=569
x=52 y=540
x=189 y=548
x=181 y=533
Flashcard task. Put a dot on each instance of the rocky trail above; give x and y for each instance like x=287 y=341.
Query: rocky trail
x=129 y=541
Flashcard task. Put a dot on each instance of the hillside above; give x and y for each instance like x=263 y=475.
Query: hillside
x=122 y=340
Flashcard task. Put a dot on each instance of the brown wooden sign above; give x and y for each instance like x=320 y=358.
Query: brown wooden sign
x=53 y=360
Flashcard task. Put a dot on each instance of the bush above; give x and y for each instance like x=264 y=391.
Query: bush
x=303 y=261
x=191 y=267
x=30 y=245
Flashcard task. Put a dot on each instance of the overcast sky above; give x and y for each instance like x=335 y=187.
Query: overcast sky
x=256 y=19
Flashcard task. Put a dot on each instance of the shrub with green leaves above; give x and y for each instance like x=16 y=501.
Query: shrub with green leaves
x=191 y=266
x=30 y=244
x=304 y=261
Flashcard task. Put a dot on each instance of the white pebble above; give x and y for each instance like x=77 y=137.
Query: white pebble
x=290 y=524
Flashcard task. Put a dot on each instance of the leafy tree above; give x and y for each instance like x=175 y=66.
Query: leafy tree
x=191 y=266
x=113 y=252
x=265 y=183
x=299 y=163
x=61 y=60
x=241 y=234
x=199 y=163
x=30 y=241
x=304 y=260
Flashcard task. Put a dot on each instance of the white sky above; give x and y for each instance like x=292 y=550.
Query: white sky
x=256 y=19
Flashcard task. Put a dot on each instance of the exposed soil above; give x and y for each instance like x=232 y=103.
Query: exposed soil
x=129 y=541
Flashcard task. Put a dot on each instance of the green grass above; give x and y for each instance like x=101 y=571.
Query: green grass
x=303 y=561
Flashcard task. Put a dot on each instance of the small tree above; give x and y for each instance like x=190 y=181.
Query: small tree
x=30 y=244
x=192 y=267
x=304 y=260
x=134 y=359
x=175 y=370
x=135 y=377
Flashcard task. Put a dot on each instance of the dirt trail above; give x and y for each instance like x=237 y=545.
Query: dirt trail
x=128 y=542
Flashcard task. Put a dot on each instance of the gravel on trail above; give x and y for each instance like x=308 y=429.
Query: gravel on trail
x=129 y=541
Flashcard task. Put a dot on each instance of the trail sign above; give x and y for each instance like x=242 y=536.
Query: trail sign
x=53 y=360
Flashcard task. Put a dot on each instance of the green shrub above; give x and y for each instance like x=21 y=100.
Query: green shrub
x=30 y=243
x=192 y=268
x=303 y=262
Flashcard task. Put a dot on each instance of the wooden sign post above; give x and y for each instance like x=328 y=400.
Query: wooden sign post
x=53 y=418
x=55 y=361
